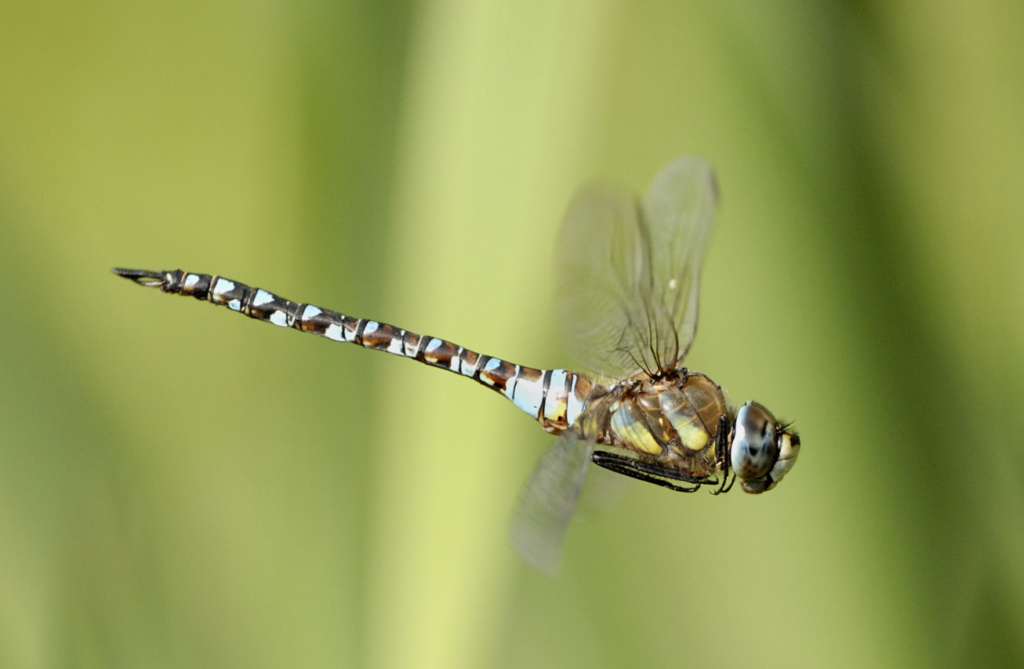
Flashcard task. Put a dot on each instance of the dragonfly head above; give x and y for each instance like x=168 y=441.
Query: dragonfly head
x=763 y=450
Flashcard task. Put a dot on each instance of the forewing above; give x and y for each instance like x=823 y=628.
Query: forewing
x=676 y=214
x=628 y=276
x=547 y=501
x=600 y=267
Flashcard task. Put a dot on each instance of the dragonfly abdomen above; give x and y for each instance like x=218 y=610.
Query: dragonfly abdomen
x=554 y=397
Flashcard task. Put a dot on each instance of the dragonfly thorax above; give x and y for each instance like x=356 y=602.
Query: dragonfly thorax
x=672 y=423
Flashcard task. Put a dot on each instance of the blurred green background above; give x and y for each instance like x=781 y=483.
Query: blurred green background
x=182 y=487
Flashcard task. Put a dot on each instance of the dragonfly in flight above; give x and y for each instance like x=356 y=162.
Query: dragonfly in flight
x=628 y=288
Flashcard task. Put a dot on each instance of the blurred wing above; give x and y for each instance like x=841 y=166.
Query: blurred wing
x=547 y=501
x=628 y=276
x=677 y=212
x=600 y=269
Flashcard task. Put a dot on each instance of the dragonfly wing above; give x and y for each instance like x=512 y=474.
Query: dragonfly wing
x=547 y=501
x=677 y=212
x=628 y=275
x=599 y=265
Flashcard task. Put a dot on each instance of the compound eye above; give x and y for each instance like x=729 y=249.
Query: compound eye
x=754 y=445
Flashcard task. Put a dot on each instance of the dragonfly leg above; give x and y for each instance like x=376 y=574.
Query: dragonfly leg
x=722 y=449
x=627 y=467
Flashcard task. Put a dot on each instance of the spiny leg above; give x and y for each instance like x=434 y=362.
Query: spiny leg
x=627 y=467
x=722 y=449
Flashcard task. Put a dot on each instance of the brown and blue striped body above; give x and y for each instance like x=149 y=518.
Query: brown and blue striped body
x=553 y=397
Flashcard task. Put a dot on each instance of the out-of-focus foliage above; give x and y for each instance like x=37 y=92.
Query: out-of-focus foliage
x=182 y=487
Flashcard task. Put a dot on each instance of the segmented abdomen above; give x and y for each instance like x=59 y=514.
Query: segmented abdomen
x=554 y=397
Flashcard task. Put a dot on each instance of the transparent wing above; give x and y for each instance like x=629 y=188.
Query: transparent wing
x=678 y=210
x=547 y=501
x=599 y=265
x=628 y=275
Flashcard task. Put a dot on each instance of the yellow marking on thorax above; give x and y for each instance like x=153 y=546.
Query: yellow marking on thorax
x=692 y=434
x=633 y=432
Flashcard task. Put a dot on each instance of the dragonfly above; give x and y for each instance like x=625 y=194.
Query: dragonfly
x=628 y=279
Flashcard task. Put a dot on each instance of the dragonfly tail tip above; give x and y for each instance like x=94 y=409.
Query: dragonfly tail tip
x=142 y=277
